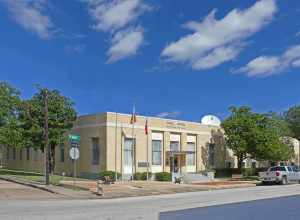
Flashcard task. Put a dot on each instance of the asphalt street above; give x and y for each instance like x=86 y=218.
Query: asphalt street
x=285 y=208
x=148 y=208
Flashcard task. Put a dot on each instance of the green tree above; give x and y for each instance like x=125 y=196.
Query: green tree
x=62 y=115
x=268 y=142
x=238 y=129
x=10 y=130
x=258 y=136
x=292 y=117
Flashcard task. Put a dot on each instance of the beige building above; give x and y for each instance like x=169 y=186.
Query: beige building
x=107 y=144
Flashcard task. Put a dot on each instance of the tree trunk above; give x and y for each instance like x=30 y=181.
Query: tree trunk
x=52 y=158
x=240 y=163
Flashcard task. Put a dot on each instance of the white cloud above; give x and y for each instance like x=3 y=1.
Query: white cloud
x=125 y=44
x=118 y=17
x=172 y=114
x=216 y=57
x=216 y=41
x=269 y=65
x=110 y=15
x=30 y=14
x=296 y=63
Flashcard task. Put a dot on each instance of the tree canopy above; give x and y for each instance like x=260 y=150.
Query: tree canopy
x=258 y=136
x=10 y=103
x=292 y=117
x=22 y=121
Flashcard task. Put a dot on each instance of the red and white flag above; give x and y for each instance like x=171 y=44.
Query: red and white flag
x=146 y=127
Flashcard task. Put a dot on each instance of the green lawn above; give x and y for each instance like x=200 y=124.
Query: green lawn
x=36 y=177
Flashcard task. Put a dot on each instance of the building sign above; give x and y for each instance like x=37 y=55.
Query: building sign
x=143 y=164
x=175 y=125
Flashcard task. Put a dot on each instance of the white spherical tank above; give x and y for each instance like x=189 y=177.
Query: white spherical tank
x=211 y=120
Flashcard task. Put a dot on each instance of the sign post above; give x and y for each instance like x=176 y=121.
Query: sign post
x=74 y=153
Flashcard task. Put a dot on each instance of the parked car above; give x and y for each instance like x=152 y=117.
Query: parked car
x=280 y=174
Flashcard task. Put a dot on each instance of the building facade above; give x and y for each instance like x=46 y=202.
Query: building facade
x=109 y=141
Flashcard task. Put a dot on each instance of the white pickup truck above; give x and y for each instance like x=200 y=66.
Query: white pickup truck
x=280 y=174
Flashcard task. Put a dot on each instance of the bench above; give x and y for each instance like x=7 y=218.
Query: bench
x=108 y=180
x=178 y=180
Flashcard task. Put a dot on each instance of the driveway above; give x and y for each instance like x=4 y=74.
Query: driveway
x=13 y=191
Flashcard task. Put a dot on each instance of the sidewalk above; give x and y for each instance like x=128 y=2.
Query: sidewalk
x=147 y=188
x=63 y=191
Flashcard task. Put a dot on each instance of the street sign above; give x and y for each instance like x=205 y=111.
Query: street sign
x=74 y=153
x=74 y=138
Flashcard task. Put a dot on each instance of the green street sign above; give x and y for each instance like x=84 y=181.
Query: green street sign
x=74 y=138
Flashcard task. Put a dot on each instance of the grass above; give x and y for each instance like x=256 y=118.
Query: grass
x=35 y=177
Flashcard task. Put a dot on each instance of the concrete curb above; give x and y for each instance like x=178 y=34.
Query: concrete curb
x=18 y=181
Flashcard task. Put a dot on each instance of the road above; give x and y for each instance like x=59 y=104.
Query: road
x=136 y=208
x=284 y=208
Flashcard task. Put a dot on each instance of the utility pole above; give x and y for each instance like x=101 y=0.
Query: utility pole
x=46 y=133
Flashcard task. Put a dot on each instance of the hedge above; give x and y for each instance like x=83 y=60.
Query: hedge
x=228 y=172
x=163 y=176
x=141 y=176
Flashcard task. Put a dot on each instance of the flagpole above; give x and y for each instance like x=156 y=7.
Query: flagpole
x=122 y=152
x=133 y=141
x=147 y=150
x=116 y=146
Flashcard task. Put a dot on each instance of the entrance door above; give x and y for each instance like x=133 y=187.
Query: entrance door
x=175 y=164
x=128 y=157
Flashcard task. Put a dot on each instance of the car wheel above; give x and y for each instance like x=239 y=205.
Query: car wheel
x=284 y=181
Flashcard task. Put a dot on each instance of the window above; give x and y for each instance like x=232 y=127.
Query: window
x=35 y=155
x=156 y=152
x=191 y=156
x=27 y=153
x=174 y=146
x=278 y=168
x=228 y=164
x=7 y=153
x=21 y=154
x=95 y=151
x=211 y=155
x=62 y=153
x=128 y=160
x=14 y=153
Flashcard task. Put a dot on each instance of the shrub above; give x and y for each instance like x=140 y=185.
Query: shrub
x=109 y=173
x=228 y=172
x=141 y=176
x=137 y=176
x=163 y=176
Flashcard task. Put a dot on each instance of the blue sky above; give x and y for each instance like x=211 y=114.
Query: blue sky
x=173 y=58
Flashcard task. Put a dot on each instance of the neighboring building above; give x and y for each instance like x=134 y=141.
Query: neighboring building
x=107 y=144
x=295 y=161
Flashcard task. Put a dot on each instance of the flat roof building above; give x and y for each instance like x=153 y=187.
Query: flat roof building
x=109 y=141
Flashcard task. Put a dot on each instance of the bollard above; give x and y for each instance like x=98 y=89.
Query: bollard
x=99 y=189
